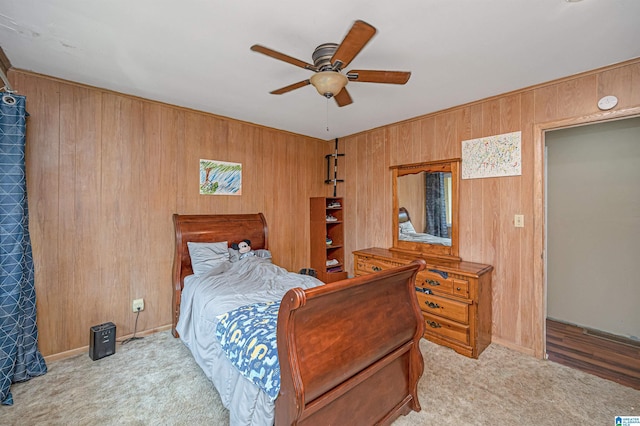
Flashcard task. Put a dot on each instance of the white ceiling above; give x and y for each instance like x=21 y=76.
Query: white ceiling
x=195 y=53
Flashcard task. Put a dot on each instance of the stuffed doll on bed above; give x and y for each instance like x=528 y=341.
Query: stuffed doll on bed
x=244 y=250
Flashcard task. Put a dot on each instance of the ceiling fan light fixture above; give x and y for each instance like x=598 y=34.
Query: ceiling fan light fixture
x=328 y=83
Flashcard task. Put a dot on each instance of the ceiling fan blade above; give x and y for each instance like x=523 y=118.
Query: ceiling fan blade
x=282 y=57
x=357 y=37
x=369 y=76
x=291 y=87
x=343 y=98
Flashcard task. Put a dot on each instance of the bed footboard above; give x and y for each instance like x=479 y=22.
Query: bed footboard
x=349 y=351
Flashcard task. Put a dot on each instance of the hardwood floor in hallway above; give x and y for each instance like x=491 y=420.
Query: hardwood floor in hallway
x=605 y=355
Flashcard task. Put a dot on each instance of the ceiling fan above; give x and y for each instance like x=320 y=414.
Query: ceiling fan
x=328 y=61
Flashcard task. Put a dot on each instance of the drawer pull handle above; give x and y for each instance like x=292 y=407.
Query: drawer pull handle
x=432 y=282
x=376 y=268
x=458 y=288
x=432 y=305
x=423 y=290
x=433 y=324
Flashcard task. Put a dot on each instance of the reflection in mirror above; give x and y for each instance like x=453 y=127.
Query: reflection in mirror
x=424 y=214
x=425 y=203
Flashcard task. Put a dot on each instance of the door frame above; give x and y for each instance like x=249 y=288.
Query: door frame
x=539 y=211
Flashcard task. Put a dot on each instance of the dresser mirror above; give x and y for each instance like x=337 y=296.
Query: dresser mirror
x=425 y=208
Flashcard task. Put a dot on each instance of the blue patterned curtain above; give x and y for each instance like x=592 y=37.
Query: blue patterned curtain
x=20 y=358
x=436 y=205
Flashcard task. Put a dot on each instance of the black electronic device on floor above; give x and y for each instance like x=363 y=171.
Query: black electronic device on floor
x=102 y=340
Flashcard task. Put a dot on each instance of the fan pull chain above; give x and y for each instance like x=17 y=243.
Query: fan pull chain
x=327 y=114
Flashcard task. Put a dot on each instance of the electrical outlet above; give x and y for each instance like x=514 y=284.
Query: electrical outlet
x=518 y=221
x=138 y=305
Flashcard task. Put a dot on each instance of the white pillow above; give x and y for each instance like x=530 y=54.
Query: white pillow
x=206 y=256
x=407 y=227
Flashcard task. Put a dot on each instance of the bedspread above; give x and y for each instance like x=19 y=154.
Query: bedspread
x=206 y=297
x=424 y=238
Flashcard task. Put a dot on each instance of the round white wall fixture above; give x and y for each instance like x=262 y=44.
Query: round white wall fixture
x=607 y=102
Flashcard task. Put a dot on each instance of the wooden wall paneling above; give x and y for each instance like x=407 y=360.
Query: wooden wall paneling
x=379 y=190
x=67 y=221
x=143 y=159
x=387 y=195
x=79 y=204
x=277 y=185
x=470 y=238
x=362 y=164
x=292 y=188
x=577 y=97
x=530 y=305
x=278 y=197
x=446 y=136
x=300 y=189
x=121 y=133
x=244 y=149
x=508 y=236
x=216 y=146
x=427 y=141
x=250 y=139
x=311 y=172
x=186 y=154
x=305 y=158
x=235 y=145
x=368 y=156
x=42 y=168
x=162 y=135
x=269 y=177
x=546 y=105
x=198 y=144
x=404 y=143
x=622 y=82
x=349 y=190
x=489 y=205
x=289 y=190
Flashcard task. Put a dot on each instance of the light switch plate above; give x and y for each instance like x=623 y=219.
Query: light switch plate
x=518 y=221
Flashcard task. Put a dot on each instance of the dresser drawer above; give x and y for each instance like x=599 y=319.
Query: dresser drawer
x=445 y=328
x=461 y=288
x=454 y=310
x=368 y=266
x=435 y=282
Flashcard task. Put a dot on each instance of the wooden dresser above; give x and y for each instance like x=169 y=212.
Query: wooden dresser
x=455 y=297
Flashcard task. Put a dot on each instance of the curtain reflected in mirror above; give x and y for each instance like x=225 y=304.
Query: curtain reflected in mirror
x=425 y=213
x=438 y=192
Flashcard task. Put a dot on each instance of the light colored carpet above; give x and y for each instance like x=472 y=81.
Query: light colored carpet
x=155 y=381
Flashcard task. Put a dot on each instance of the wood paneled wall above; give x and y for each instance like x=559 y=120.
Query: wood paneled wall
x=105 y=173
x=487 y=206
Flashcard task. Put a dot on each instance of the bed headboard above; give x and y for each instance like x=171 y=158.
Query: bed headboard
x=207 y=229
x=403 y=215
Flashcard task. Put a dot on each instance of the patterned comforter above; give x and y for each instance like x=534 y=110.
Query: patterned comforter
x=248 y=338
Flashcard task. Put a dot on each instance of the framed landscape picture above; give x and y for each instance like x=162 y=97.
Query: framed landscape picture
x=220 y=178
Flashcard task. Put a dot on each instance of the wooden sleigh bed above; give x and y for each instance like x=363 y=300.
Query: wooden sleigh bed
x=348 y=351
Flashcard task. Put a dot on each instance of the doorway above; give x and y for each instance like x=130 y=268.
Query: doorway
x=592 y=200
